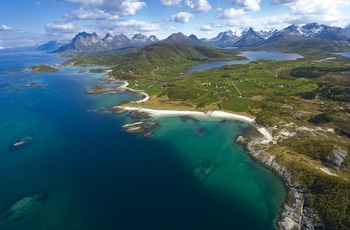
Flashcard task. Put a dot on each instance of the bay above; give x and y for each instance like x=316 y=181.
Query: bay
x=96 y=176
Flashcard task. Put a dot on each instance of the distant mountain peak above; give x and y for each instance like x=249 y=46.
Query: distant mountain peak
x=192 y=36
x=51 y=45
x=249 y=38
x=108 y=38
x=86 y=42
x=153 y=38
x=139 y=36
x=175 y=37
x=181 y=38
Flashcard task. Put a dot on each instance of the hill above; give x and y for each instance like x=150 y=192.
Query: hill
x=136 y=62
x=166 y=54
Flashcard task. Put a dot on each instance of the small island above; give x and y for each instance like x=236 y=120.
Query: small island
x=43 y=68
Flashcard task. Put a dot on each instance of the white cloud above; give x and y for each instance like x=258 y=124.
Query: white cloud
x=247 y=5
x=282 y=2
x=90 y=14
x=139 y=25
x=231 y=13
x=5 y=27
x=314 y=7
x=171 y=2
x=321 y=11
x=131 y=27
x=37 y=3
x=62 y=30
x=198 y=6
x=110 y=7
x=206 y=28
x=181 y=17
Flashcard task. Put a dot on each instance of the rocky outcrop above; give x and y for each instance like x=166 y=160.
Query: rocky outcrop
x=336 y=159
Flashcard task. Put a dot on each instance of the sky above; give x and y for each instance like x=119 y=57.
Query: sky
x=30 y=22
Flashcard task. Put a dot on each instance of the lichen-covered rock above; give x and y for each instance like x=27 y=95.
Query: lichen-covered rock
x=337 y=158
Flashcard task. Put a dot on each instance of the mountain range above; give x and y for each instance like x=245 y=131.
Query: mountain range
x=85 y=42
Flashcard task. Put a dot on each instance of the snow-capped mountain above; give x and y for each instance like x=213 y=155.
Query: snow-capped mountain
x=249 y=38
x=324 y=32
x=266 y=34
x=85 y=42
x=224 y=39
x=311 y=30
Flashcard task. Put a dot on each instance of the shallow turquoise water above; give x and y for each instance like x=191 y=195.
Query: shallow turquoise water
x=96 y=176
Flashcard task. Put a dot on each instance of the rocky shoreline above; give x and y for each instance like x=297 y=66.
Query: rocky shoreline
x=293 y=214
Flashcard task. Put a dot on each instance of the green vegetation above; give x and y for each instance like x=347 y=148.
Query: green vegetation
x=314 y=148
x=99 y=70
x=306 y=93
x=314 y=71
x=237 y=104
x=320 y=119
x=331 y=197
x=42 y=68
x=181 y=93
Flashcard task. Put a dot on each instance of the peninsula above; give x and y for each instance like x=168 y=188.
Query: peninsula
x=301 y=106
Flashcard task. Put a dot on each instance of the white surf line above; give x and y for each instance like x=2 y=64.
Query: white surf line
x=146 y=98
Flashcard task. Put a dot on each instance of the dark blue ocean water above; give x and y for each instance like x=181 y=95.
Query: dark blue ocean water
x=96 y=176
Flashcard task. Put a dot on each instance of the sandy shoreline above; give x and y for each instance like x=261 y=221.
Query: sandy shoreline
x=215 y=113
x=219 y=114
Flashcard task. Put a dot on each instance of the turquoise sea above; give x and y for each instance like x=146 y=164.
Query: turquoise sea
x=81 y=170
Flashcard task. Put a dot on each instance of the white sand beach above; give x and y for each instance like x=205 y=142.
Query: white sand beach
x=220 y=114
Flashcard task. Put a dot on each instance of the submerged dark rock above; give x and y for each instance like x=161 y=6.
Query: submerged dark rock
x=188 y=118
x=200 y=132
x=23 y=207
x=202 y=171
x=117 y=109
